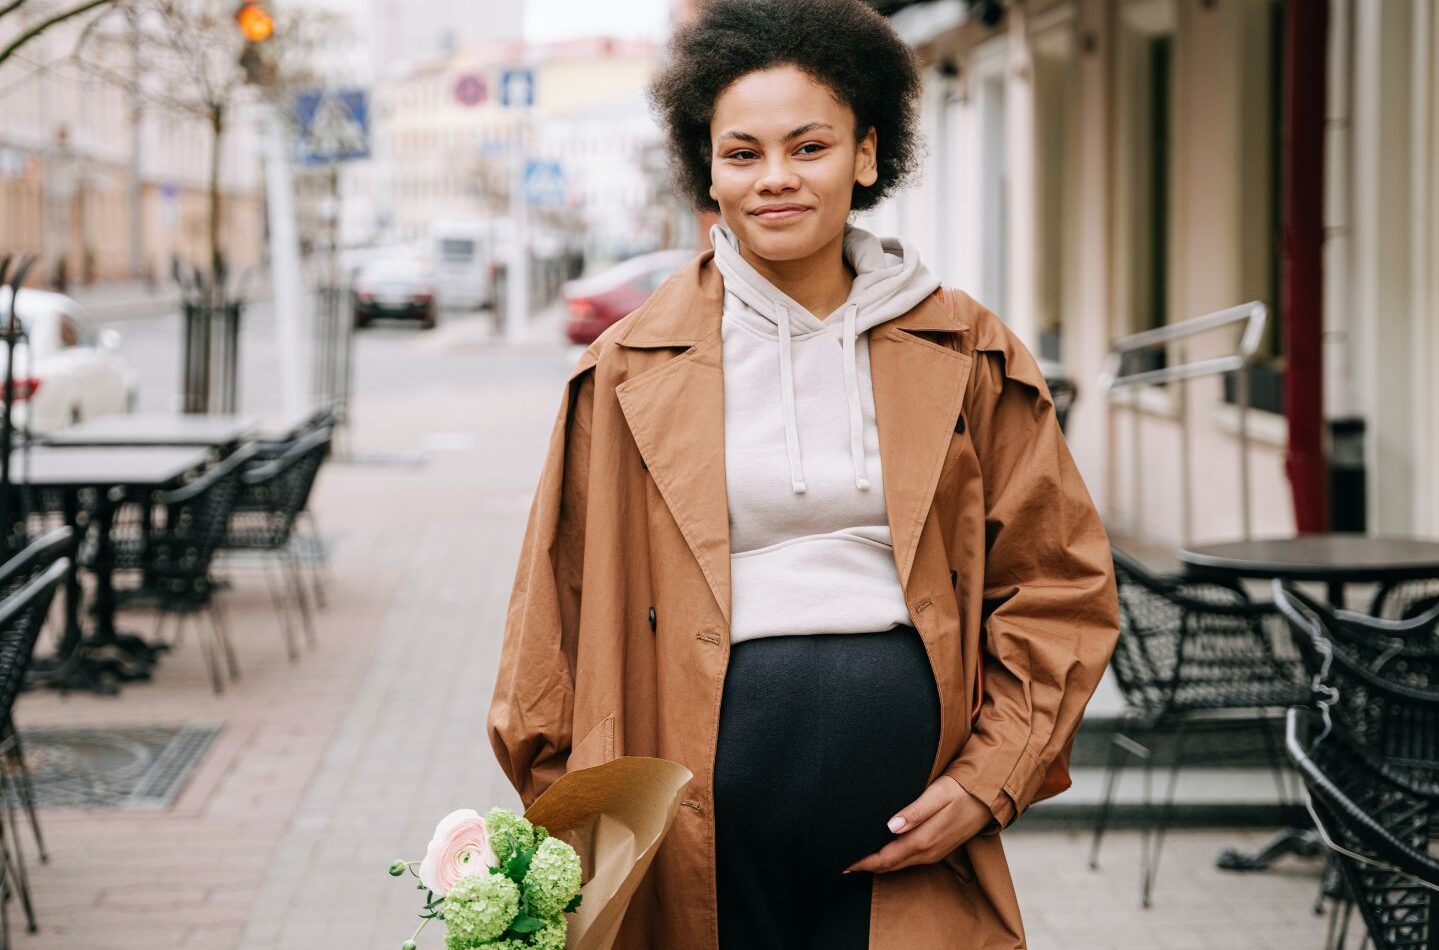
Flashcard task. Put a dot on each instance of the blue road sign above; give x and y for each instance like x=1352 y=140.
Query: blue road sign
x=544 y=182
x=334 y=126
x=517 y=88
x=470 y=90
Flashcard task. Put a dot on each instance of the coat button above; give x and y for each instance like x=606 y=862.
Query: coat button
x=652 y=620
x=959 y=426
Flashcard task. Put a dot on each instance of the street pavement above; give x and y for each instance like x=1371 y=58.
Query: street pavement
x=327 y=769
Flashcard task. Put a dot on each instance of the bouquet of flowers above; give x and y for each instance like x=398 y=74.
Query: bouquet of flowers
x=498 y=882
x=506 y=882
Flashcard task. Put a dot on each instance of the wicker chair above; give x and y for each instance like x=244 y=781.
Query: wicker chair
x=273 y=493
x=15 y=574
x=1381 y=827
x=1401 y=600
x=189 y=526
x=1190 y=654
x=22 y=614
x=309 y=545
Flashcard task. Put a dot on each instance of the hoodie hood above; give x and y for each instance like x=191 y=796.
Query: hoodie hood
x=889 y=281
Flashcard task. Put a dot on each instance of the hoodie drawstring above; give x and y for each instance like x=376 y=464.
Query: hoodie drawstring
x=851 y=397
x=786 y=386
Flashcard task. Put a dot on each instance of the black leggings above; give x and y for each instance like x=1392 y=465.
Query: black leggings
x=821 y=740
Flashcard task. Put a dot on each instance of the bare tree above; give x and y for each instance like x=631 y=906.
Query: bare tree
x=18 y=10
x=195 y=64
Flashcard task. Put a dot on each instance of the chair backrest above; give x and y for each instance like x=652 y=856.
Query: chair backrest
x=1195 y=643
x=1381 y=827
x=195 y=518
x=22 y=614
x=281 y=487
x=35 y=559
x=1401 y=600
x=1383 y=694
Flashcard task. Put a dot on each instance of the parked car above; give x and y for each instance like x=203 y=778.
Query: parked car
x=598 y=301
x=66 y=371
x=401 y=288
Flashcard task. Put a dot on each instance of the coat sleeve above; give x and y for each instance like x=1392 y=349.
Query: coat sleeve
x=1052 y=616
x=532 y=711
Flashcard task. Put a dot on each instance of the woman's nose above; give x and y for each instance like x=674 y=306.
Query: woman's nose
x=778 y=177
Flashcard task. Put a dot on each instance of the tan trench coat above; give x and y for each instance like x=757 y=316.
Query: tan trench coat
x=616 y=641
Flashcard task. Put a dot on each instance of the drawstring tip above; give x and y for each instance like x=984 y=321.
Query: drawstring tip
x=862 y=484
x=798 y=487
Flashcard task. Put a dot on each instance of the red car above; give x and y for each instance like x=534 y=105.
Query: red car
x=599 y=301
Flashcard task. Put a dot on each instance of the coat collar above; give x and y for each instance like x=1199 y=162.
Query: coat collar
x=675 y=411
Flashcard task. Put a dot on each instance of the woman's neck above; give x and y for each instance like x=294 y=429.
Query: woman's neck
x=820 y=282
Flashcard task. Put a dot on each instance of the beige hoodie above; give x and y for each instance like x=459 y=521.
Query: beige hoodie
x=810 y=542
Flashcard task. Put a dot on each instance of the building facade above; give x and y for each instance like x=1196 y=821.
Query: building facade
x=1098 y=168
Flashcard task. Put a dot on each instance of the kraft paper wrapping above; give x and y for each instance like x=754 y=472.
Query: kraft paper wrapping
x=615 y=816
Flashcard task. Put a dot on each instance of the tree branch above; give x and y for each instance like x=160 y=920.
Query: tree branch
x=44 y=25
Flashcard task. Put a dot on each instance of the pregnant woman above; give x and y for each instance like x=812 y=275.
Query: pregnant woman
x=808 y=526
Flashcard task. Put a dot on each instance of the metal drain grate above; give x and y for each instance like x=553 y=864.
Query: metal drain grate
x=128 y=767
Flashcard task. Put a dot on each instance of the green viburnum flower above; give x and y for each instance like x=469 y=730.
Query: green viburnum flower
x=478 y=908
x=553 y=879
x=508 y=832
x=551 y=936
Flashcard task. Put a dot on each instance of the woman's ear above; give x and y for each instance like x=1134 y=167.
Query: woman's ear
x=713 y=197
x=866 y=163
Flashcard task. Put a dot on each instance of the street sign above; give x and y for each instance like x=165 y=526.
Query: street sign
x=334 y=126
x=470 y=90
x=517 y=88
x=544 y=183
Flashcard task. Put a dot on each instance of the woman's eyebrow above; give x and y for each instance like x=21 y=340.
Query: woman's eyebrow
x=754 y=139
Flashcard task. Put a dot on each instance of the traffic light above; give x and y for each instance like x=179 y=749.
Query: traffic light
x=256 y=23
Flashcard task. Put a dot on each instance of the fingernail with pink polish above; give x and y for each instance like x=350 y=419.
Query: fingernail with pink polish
x=896 y=824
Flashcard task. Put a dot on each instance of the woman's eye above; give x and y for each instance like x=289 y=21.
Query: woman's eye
x=815 y=146
x=742 y=155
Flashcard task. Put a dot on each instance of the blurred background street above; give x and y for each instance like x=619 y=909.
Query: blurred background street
x=313 y=273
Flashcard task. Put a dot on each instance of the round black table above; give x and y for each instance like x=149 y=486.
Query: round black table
x=1332 y=559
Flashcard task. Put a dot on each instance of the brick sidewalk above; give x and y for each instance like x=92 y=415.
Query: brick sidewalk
x=328 y=769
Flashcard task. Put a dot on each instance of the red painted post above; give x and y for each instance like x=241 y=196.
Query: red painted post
x=1302 y=247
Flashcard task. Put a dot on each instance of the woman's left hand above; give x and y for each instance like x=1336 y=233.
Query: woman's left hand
x=940 y=820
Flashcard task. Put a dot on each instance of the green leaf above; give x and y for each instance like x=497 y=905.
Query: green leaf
x=574 y=905
x=519 y=865
x=525 y=924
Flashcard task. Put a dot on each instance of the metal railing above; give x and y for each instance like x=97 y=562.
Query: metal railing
x=1113 y=379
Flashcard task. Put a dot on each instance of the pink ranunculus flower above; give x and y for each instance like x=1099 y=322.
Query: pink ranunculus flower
x=461 y=846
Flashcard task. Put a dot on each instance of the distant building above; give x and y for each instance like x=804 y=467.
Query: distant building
x=407 y=32
x=79 y=178
x=445 y=145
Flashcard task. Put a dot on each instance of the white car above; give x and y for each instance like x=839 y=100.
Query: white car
x=66 y=371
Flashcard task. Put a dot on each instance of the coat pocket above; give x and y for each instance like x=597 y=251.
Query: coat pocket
x=958 y=862
x=596 y=748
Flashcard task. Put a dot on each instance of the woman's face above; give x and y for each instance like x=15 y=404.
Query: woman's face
x=784 y=163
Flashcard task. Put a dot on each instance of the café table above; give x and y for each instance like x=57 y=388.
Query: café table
x=1334 y=560
x=159 y=429
x=80 y=660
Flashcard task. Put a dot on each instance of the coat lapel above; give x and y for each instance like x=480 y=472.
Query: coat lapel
x=919 y=391
x=675 y=411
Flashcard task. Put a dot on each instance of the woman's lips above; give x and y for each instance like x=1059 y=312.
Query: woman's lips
x=779 y=212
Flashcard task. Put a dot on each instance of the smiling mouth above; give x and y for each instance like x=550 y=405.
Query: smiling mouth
x=780 y=212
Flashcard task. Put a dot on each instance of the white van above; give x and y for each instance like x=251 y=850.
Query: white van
x=464 y=250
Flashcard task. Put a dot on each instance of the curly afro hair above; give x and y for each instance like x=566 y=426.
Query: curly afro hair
x=843 y=44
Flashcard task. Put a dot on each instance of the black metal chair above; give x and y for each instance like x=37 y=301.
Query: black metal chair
x=309 y=545
x=1402 y=600
x=1381 y=829
x=15 y=574
x=22 y=614
x=273 y=494
x=189 y=525
x=1191 y=654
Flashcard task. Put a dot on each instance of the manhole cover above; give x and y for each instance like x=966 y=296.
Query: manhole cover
x=120 y=767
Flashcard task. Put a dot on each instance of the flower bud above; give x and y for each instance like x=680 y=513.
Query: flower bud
x=408 y=945
x=398 y=868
